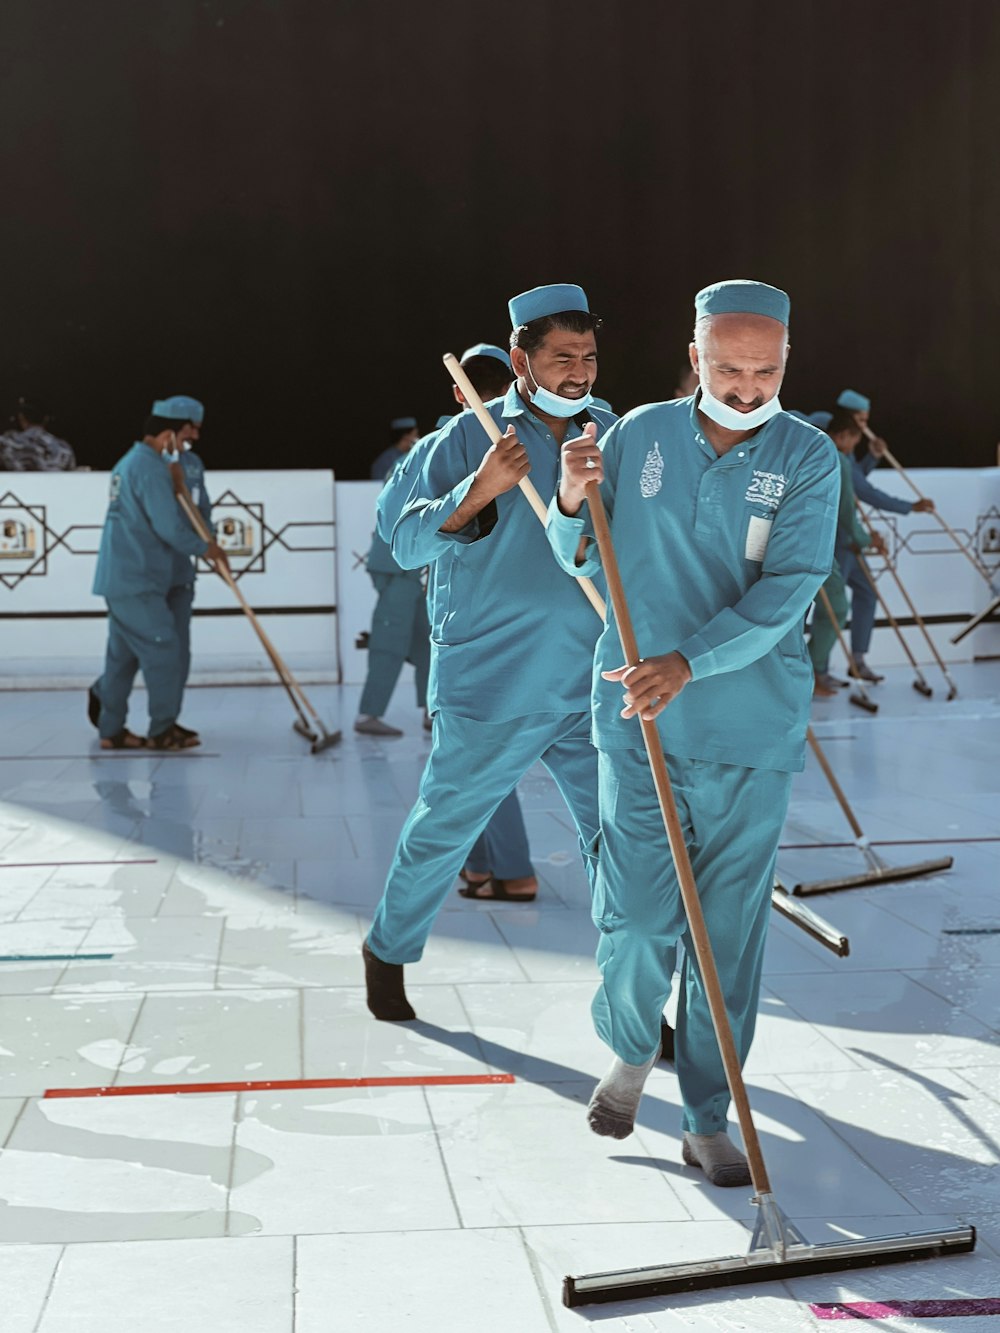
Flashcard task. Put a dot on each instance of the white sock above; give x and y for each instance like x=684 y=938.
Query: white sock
x=613 y=1107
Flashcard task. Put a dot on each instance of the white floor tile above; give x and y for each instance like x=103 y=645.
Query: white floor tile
x=331 y=1160
x=117 y=1168
x=222 y=1036
x=25 y=1275
x=227 y=1286
x=486 y=1275
x=65 y=1041
x=518 y=1154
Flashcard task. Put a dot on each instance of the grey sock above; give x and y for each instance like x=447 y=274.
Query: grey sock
x=615 y=1101
x=721 y=1161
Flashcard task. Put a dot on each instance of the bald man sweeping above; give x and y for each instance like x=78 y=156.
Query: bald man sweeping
x=723 y=511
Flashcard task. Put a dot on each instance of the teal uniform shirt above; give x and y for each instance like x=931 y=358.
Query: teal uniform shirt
x=509 y=635
x=144 y=529
x=394 y=495
x=720 y=560
x=194 y=477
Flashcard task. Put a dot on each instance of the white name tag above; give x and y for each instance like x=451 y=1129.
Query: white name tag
x=196 y=495
x=757 y=535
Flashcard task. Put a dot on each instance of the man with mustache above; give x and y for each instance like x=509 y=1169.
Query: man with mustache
x=723 y=511
x=511 y=640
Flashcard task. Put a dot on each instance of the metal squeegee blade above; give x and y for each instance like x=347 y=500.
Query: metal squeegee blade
x=759 y=1266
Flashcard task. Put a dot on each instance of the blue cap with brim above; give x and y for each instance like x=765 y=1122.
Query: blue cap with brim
x=179 y=408
x=486 y=349
x=442 y=422
x=740 y=296
x=554 y=299
x=854 y=402
x=820 y=419
x=403 y=423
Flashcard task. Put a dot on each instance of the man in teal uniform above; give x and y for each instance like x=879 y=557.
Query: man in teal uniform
x=400 y=632
x=143 y=532
x=511 y=637
x=863 y=599
x=189 y=414
x=723 y=511
x=499 y=863
x=852 y=538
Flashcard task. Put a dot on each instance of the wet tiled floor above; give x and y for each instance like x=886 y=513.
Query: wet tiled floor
x=194 y=922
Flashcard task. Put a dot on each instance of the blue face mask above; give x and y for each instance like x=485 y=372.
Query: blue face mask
x=553 y=404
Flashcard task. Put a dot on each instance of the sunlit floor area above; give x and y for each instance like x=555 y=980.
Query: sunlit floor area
x=184 y=929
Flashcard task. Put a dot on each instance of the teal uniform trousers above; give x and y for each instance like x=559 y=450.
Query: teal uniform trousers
x=732 y=819
x=471 y=768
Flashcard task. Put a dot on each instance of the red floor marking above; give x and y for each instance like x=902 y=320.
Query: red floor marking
x=881 y=842
x=32 y=865
x=949 y=1309
x=165 y=1089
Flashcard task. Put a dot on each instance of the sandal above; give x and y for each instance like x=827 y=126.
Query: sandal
x=186 y=731
x=494 y=890
x=123 y=740
x=173 y=739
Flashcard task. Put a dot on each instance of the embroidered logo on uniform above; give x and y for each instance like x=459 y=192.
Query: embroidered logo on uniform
x=115 y=486
x=766 y=488
x=651 y=477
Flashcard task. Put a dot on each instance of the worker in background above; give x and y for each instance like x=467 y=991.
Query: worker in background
x=863 y=598
x=851 y=539
x=189 y=470
x=30 y=446
x=144 y=530
x=404 y=436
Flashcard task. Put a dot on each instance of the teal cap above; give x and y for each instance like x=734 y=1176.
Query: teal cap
x=541 y=301
x=403 y=423
x=820 y=419
x=740 y=296
x=442 y=422
x=854 y=402
x=179 y=408
x=486 y=349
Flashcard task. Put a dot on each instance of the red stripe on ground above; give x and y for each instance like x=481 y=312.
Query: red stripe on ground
x=266 y=1085
x=32 y=865
x=944 y=1309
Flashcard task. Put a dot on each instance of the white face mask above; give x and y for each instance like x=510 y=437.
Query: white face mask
x=553 y=404
x=724 y=415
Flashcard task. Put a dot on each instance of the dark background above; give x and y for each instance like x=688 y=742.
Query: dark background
x=291 y=208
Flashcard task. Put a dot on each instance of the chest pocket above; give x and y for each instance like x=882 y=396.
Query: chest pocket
x=757 y=533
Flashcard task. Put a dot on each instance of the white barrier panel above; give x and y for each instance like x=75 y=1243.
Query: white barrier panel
x=300 y=555
x=278 y=528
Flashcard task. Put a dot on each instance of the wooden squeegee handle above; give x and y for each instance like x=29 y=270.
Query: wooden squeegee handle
x=527 y=489
x=682 y=863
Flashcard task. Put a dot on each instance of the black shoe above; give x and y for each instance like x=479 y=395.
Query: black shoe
x=666 y=1042
x=384 y=985
x=93 y=707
